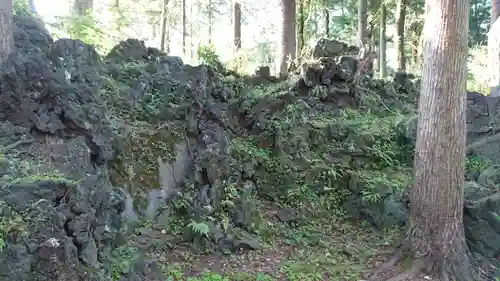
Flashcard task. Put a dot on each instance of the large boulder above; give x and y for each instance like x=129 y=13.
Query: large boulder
x=60 y=212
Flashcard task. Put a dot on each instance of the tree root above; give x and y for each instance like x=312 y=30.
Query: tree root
x=457 y=267
x=390 y=263
x=418 y=267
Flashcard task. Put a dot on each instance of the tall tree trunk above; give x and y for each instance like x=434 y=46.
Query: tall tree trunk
x=327 y=22
x=362 y=21
x=237 y=24
x=191 y=32
x=80 y=7
x=210 y=18
x=383 y=41
x=400 y=33
x=495 y=6
x=286 y=44
x=6 y=35
x=184 y=27
x=494 y=63
x=436 y=234
x=163 y=27
x=300 y=27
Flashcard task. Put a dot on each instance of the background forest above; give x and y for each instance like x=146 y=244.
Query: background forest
x=187 y=26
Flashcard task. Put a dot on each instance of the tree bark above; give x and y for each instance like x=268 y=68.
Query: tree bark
x=400 y=23
x=286 y=44
x=383 y=41
x=436 y=234
x=237 y=24
x=362 y=21
x=6 y=35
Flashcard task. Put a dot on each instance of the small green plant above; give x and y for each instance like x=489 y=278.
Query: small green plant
x=199 y=228
x=120 y=261
x=86 y=28
x=476 y=164
x=21 y=8
x=208 y=55
x=12 y=224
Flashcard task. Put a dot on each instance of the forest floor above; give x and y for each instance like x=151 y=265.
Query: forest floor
x=319 y=249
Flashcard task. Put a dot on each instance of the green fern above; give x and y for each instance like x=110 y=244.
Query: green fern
x=199 y=228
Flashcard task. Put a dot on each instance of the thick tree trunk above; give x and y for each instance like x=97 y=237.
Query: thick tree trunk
x=237 y=24
x=383 y=42
x=436 y=234
x=286 y=44
x=6 y=35
x=362 y=21
x=400 y=24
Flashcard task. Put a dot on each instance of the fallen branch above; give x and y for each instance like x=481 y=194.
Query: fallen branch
x=15 y=144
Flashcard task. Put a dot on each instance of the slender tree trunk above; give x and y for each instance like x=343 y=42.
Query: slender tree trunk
x=436 y=234
x=210 y=18
x=494 y=63
x=495 y=6
x=6 y=35
x=184 y=27
x=286 y=44
x=300 y=26
x=477 y=23
x=191 y=32
x=237 y=24
x=327 y=22
x=383 y=41
x=400 y=23
x=167 y=41
x=80 y=7
x=362 y=21
x=163 y=27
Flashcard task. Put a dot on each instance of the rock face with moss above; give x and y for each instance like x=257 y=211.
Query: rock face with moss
x=92 y=147
x=59 y=210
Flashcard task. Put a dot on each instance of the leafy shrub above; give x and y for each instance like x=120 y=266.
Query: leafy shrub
x=21 y=8
x=208 y=55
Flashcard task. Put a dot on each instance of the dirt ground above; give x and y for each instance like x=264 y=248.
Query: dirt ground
x=323 y=249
